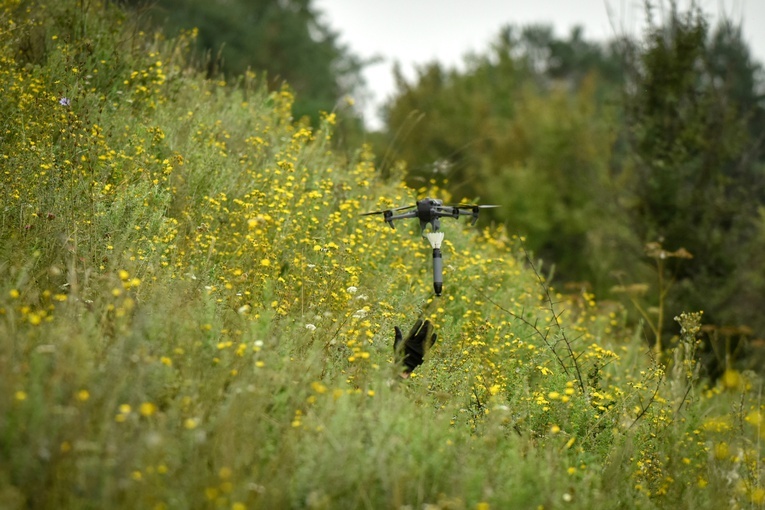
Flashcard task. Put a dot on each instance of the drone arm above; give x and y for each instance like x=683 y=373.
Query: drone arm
x=456 y=212
x=389 y=217
x=446 y=212
x=410 y=214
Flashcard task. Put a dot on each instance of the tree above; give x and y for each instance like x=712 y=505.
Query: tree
x=286 y=39
x=694 y=121
x=527 y=125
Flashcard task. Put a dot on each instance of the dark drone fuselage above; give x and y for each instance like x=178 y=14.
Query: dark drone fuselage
x=427 y=213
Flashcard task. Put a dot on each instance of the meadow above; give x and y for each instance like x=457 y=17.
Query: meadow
x=194 y=315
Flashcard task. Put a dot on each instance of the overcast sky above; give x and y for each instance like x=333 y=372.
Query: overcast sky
x=414 y=32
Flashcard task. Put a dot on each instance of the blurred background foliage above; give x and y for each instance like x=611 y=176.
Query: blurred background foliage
x=597 y=150
x=594 y=150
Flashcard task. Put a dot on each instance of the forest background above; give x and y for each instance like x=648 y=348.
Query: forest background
x=633 y=167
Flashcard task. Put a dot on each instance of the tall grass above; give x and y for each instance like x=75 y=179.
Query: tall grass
x=193 y=315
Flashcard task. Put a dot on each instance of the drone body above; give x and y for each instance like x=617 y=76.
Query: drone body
x=430 y=211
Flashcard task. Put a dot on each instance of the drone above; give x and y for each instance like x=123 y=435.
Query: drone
x=430 y=211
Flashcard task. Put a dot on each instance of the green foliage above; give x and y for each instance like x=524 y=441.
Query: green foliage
x=696 y=178
x=529 y=126
x=287 y=40
x=193 y=315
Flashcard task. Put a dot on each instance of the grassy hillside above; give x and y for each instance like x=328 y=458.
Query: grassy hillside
x=193 y=315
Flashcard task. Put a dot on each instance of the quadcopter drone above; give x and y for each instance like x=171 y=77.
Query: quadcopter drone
x=430 y=211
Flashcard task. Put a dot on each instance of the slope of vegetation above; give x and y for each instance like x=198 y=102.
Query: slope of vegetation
x=193 y=315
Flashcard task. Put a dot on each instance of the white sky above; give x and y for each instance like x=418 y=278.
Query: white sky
x=413 y=32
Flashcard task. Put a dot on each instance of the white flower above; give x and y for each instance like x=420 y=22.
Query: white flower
x=310 y=327
x=360 y=313
x=352 y=289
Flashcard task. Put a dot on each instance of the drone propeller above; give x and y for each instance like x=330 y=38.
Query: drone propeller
x=476 y=208
x=387 y=210
x=472 y=206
